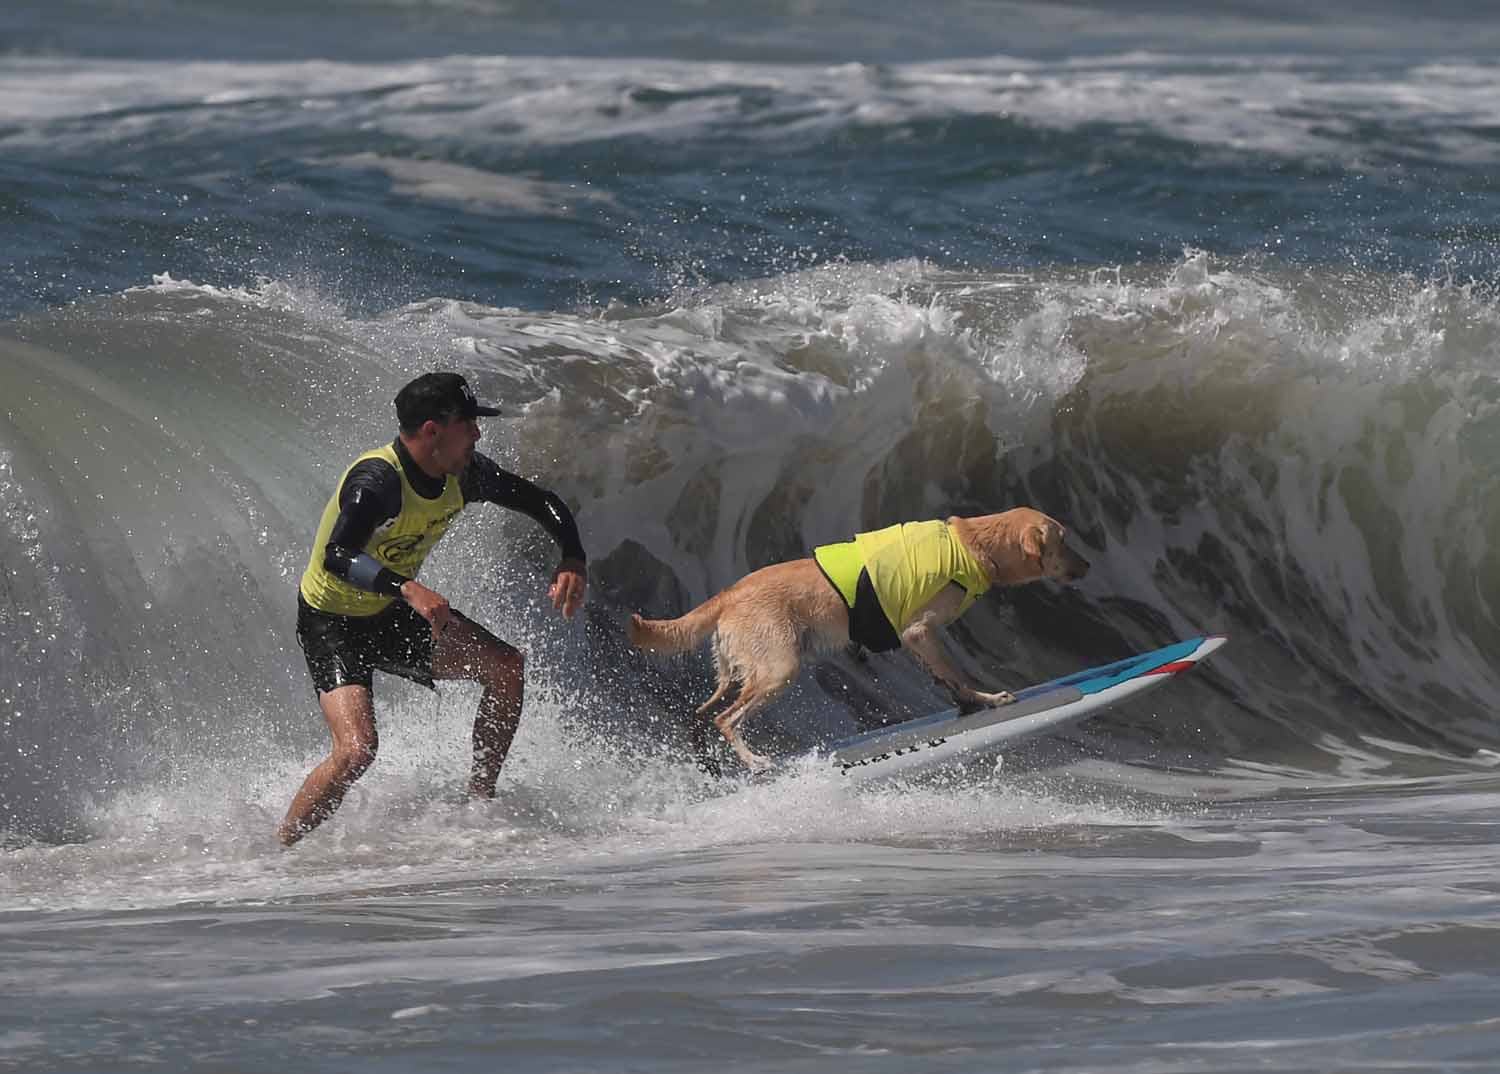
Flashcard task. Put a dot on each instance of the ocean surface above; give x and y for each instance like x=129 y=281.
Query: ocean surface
x=1216 y=285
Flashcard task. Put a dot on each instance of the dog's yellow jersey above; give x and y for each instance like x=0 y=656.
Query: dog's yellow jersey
x=401 y=545
x=908 y=564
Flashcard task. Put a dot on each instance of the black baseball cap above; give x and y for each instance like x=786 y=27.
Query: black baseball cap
x=438 y=397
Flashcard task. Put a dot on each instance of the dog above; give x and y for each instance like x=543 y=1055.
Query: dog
x=888 y=589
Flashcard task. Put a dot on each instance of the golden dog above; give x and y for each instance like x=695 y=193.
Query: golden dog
x=762 y=623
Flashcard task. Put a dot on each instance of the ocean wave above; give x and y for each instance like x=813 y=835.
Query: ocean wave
x=1296 y=107
x=1298 y=458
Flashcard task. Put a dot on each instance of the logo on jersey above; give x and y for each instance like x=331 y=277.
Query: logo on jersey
x=400 y=550
x=408 y=547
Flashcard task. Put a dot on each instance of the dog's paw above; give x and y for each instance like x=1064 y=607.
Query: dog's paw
x=977 y=701
x=757 y=764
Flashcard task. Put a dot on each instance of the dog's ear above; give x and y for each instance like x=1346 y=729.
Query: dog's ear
x=1034 y=542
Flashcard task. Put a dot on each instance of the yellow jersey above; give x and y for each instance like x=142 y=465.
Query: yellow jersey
x=401 y=545
x=908 y=564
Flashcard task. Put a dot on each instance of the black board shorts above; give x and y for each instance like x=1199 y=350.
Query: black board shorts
x=344 y=650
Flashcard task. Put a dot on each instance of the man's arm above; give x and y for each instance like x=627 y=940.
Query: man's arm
x=484 y=481
x=370 y=496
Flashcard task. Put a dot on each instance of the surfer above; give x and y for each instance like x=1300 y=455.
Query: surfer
x=360 y=608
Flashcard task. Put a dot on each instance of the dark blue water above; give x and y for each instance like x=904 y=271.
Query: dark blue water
x=687 y=145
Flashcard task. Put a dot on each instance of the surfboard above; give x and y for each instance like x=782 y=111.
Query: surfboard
x=930 y=742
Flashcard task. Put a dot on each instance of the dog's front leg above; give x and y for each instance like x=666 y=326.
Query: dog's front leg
x=922 y=640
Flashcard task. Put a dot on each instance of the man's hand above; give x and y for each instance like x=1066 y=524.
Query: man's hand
x=568 y=585
x=427 y=603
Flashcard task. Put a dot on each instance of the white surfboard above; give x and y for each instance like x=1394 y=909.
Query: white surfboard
x=923 y=744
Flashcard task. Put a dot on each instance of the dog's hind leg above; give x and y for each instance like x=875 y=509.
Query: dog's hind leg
x=761 y=687
x=763 y=656
x=698 y=732
x=727 y=722
x=725 y=685
x=727 y=682
x=753 y=697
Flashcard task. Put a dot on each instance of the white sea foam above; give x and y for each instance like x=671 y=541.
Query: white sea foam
x=206 y=832
x=1298 y=107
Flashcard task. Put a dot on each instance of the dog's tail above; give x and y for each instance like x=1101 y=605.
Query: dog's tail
x=668 y=637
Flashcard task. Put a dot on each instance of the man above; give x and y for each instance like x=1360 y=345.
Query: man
x=360 y=608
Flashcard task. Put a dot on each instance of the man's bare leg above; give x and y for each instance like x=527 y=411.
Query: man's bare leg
x=350 y=712
x=468 y=651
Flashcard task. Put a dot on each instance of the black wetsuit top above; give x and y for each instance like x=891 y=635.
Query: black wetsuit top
x=371 y=496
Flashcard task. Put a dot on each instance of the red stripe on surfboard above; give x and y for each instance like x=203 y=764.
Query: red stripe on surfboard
x=1173 y=668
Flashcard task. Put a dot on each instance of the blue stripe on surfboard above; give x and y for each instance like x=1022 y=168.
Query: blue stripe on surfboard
x=1043 y=697
x=1092 y=680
